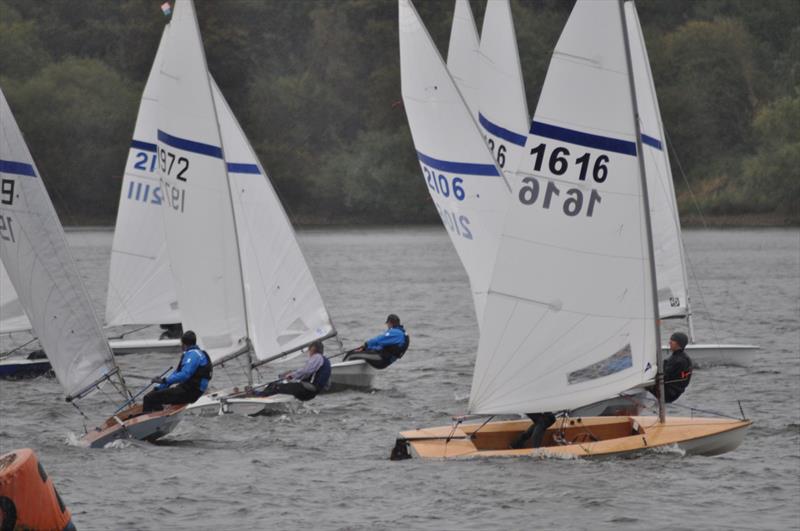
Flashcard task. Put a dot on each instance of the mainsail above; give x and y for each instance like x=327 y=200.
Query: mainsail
x=465 y=183
x=198 y=224
x=671 y=276
x=462 y=55
x=503 y=108
x=280 y=309
x=140 y=285
x=34 y=250
x=12 y=314
x=570 y=318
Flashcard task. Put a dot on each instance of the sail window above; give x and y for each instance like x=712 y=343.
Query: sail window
x=619 y=361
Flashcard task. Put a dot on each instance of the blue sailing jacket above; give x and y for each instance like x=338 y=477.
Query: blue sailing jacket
x=394 y=336
x=192 y=360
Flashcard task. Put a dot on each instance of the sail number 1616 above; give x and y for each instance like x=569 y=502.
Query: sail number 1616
x=573 y=202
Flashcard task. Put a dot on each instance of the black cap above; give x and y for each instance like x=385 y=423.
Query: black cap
x=189 y=338
x=318 y=346
x=680 y=338
x=393 y=319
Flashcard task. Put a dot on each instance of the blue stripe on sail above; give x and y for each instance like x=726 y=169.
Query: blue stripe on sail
x=584 y=139
x=190 y=145
x=502 y=132
x=144 y=146
x=17 y=168
x=238 y=167
x=651 y=141
x=466 y=168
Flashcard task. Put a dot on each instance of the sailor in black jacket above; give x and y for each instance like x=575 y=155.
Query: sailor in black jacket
x=677 y=369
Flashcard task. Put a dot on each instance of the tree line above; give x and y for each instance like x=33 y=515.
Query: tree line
x=316 y=87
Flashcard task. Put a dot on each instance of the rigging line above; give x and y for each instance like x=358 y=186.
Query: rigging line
x=705 y=226
x=4 y=355
x=704 y=411
x=123 y=334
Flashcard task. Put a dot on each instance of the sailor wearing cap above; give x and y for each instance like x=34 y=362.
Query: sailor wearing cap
x=383 y=349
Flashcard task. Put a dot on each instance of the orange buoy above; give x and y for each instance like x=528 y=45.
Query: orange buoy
x=28 y=498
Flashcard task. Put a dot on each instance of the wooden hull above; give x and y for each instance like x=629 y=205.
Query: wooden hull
x=133 y=424
x=711 y=354
x=577 y=437
x=131 y=346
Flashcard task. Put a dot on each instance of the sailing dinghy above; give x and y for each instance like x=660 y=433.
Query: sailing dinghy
x=467 y=185
x=242 y=282
x=590 y=331
x=36 y=256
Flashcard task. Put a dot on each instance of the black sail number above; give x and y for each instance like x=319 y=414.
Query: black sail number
x=167 y=162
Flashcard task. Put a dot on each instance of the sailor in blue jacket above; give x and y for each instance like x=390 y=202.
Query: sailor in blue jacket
x=192 y=376
x=384 y=349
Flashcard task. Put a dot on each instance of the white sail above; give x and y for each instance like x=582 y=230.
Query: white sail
x=463 y=180
x=503 y=108
x=284 y=307
x=34 y=250
x=140 y=285
x=198 y=222
x=462 y=55
x=12 y=314
x=569 y=318
x=667 y=242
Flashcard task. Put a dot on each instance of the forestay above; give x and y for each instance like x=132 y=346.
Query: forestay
x=569 y=318
x=462 y=55
x=140 y=285
x=34 y=250
x=667 y=242
x=503 y=109
x=12 y=314
x=463 y=180
x=284 y=307
x=198 y=222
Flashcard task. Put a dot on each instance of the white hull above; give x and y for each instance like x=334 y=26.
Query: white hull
x=144 y=427
x=130 y=346
x=708 y=354
x=356 y=374
x=219 y=403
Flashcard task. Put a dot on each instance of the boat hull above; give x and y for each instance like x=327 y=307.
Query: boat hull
x=235 y=400
x=20 y=368
x=711 y=354
x=131 y=346
x=577 y=438
x=132 y=424
x=355 y=374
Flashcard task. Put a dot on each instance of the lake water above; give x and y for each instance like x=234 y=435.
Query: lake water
x=327 y=467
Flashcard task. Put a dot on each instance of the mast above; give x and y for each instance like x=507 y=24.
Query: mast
x=648 y=224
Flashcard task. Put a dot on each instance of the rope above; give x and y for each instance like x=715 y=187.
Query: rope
x=10 y=352
x=123 y=334
x=705 y=226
